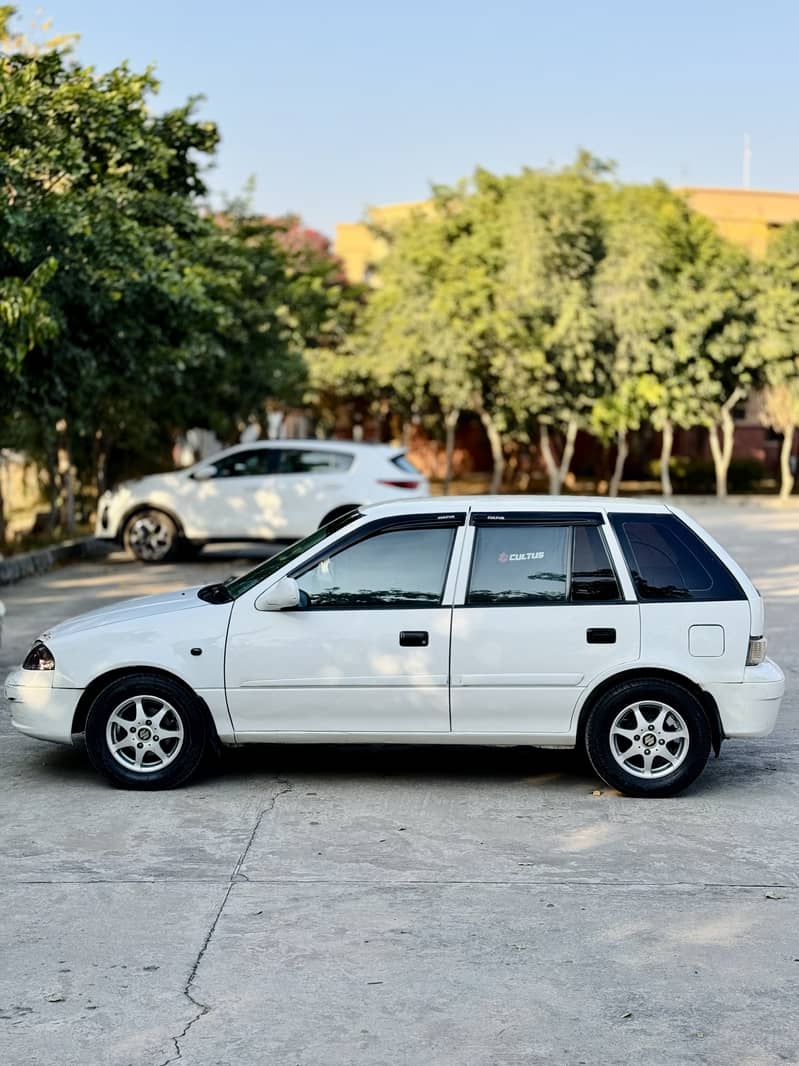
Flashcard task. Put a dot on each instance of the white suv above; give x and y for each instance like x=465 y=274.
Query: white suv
x=619 y=625
x=267 y=490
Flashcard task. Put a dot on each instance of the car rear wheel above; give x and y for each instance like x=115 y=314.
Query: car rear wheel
x=146 y=732
x=152 y=536
x=648 y=738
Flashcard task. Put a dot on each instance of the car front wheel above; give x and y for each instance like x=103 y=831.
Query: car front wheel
x=146 y=732
x=648 y=738
x=152 y=536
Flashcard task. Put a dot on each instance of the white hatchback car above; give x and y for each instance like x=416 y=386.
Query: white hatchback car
x=267 y=490
x=503 y=621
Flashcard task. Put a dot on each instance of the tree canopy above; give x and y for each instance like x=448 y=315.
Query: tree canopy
x=129 y=310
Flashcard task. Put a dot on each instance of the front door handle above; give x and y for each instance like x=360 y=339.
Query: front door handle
x=600 y=636
x=414 y=638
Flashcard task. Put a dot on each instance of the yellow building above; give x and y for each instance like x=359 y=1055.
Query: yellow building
x=746 y=216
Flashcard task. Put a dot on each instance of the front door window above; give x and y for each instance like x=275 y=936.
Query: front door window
x=398 y=568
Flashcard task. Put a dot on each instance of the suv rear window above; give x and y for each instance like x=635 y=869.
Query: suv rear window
x=669 y=562
x=404 y=463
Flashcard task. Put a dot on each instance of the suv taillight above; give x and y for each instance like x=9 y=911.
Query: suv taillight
x=400 y=484
x=757 y=651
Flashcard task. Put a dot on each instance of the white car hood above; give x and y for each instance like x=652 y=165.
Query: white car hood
x=140 y=607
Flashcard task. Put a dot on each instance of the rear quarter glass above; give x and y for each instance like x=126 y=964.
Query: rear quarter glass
x=670 y=563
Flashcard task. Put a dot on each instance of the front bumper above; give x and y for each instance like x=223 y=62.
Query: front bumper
x=750 y=708
x=39 y=710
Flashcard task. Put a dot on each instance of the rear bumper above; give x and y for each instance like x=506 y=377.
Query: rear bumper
x=39 y=710
x=750 y=708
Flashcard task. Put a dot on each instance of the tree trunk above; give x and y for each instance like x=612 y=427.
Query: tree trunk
x=568 y=449
x=2 y=509
x=497 y=454
x=666 y=445
x=722 y=438
x=786 y=477
x=549 y=460
x=622 y=451
x=100 y=462
x=66 y=479
x=450 y=425
x=558 y=471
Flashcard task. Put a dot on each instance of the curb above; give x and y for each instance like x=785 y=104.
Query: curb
x=18 y=567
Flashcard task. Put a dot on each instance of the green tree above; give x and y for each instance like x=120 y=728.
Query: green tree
x=775 y=342
x=555 y=342
x=157 y=316
x=428 y=331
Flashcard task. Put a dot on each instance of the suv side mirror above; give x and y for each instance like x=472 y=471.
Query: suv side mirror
x=280 y=597
x=204 y=473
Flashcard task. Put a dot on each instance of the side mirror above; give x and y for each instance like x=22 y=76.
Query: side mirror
x=204 y=473
x=280 y=597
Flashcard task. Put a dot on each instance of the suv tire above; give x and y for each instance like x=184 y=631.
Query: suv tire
x=152 y=536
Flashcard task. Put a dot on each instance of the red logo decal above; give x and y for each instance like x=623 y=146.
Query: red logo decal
x=503 y=557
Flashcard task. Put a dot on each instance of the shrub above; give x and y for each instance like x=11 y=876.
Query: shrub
x=699 y=475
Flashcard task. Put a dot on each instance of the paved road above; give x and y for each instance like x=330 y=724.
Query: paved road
x=415 y=907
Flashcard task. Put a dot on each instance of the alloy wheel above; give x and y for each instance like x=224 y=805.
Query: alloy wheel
x=151 y=536
x=144 y=734
x=649 y=739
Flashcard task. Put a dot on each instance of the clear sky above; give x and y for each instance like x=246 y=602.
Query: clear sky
x=337 y=105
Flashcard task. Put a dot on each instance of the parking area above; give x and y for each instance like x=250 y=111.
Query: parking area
x=400 y=907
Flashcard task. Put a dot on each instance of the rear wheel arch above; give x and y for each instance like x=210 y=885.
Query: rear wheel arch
x=642 y=673
x=102 y=681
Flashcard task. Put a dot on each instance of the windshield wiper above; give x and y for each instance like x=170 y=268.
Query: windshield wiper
x=217 y=593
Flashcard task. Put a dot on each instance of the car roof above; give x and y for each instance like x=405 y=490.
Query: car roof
x=508 y=504
x=358 y=447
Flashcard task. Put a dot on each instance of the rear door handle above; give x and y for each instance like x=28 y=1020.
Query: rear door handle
x=600 y=636
x=414 y=638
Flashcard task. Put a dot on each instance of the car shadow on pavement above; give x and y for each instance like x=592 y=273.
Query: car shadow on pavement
x=423 y=764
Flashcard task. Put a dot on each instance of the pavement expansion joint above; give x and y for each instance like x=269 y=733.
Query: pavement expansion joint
x=412 y=882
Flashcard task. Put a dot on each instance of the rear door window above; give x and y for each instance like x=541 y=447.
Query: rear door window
x=312 y=461
x=670 y=563
x=539 y=563
x=519 y=564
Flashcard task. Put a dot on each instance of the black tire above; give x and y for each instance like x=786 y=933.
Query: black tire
x=152 y=536
x=338 y=512
x=166 y=762
x=667 y=731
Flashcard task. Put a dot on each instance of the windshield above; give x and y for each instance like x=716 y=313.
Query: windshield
x=237 y=586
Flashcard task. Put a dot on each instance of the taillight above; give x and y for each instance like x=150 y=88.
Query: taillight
x=757 y=651
x=400 y=484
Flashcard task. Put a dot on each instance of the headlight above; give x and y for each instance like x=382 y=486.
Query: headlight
x=39 y=658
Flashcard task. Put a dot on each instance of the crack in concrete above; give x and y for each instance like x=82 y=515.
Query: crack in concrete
x=235 y=878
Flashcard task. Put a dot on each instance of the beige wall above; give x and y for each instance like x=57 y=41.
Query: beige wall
x=746 y=216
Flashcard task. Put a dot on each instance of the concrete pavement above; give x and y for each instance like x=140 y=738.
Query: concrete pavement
x=366 y=906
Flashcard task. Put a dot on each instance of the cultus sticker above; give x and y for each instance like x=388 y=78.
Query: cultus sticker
x=519 y=557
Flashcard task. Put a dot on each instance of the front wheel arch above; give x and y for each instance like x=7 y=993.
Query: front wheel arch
x=97 y=684
x=707 y=702
x=140 y=508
